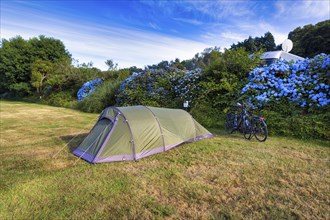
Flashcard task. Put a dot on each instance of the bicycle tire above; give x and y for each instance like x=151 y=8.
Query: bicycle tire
x=229 y=123
x=247 y=128
x=260 y=130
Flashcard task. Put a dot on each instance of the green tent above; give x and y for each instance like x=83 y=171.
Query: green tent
x=131 y=133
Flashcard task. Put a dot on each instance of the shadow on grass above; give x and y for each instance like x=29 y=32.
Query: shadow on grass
x=73 y=141
x=220 y=132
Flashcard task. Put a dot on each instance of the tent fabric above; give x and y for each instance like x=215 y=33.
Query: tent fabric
x=135 y=132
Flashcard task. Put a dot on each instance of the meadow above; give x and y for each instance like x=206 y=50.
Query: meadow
x=225 y=177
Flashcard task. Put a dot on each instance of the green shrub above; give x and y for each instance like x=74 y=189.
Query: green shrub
x=148 y=87
x=225 y=76
x=300 y=126
x=62 y=99
x=207 y=115
x=104 y=96
x=20 y=89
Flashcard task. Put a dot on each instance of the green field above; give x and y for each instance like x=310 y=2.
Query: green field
x=225 y=177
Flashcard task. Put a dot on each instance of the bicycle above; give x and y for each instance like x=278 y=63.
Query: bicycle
x=258 y=126
x=238 y=120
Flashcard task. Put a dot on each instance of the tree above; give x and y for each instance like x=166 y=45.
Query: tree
x=225 y=76
x=256 y=44
x=15 y=60
x=111 y=65
x=177 y=64
x=311 y=39
x=50 y=49
x=40 y=71
x=17 y=56
x=268 y=42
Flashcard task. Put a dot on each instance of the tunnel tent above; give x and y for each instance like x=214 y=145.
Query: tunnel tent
x=131 y=133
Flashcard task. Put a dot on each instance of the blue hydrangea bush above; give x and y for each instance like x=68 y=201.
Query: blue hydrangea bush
x=146 y=87
x=88 y=88
x=159 y=87
x=303 y=84
x=186 y=84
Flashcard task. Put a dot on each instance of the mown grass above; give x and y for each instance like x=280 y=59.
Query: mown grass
x=224 y=177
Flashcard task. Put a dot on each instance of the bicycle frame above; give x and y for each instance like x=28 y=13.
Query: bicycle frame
x=242 y=118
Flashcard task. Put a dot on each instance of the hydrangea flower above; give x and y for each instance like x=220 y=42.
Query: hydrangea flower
x=304 y=83
x=158 y=85
x=88 y=88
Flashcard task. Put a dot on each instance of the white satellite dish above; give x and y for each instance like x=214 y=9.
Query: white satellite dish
x=287 y=45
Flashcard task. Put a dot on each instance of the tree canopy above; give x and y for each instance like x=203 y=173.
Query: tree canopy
x=19 y=59
x=311 y=40
x=252 y=45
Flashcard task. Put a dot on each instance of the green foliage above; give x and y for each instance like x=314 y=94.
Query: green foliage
x=19 y=57
x=42 y=66
x=62 y=71
x=111 y=65
x=48 y=48
x=121 y=74
x=40 y=71
x=257 y=44
x=150 y=87
x=207 y=115
x=311 y=40
x=15 y=61
x=104 y=96
x=204 y=59
x=71 y=79
x=62 y=98
x=20 y=89
x=225 y=76
x=299 y=126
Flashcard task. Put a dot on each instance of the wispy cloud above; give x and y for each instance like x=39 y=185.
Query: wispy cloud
x=154 y=26
x=147 y=32
x=260 y=28
x=189 y=21
x=307 y=9
x=97 y=43
x=221 y=9
x=223 y=38
x=225 y=35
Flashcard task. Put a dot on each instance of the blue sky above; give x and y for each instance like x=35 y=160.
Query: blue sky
x=139 y=33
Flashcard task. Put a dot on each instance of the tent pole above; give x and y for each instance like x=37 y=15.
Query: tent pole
x=130 y=130
x=114 y=123
x=160 y=128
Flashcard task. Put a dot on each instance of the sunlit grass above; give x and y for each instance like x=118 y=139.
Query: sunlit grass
x=218 y=178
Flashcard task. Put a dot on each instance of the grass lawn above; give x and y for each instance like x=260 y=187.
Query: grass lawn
x=225 y=177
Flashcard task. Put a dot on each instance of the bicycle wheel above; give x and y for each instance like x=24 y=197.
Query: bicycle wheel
x=247 y=128
x=260 y=130
x=230 y=123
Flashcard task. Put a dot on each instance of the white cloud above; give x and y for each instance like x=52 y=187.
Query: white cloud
x=154 y=26
x=223 y=9
x=225 y=36
x=218 y=23
x=232 y=36
x=189 y=21
x=215 y=9
x=96 y=43
x=260 y=28
x=224 y=39
x=319 y=9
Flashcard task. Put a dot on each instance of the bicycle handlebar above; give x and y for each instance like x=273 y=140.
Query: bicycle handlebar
x=245 y=105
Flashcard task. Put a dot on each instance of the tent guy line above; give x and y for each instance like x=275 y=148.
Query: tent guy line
x=65 y=145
